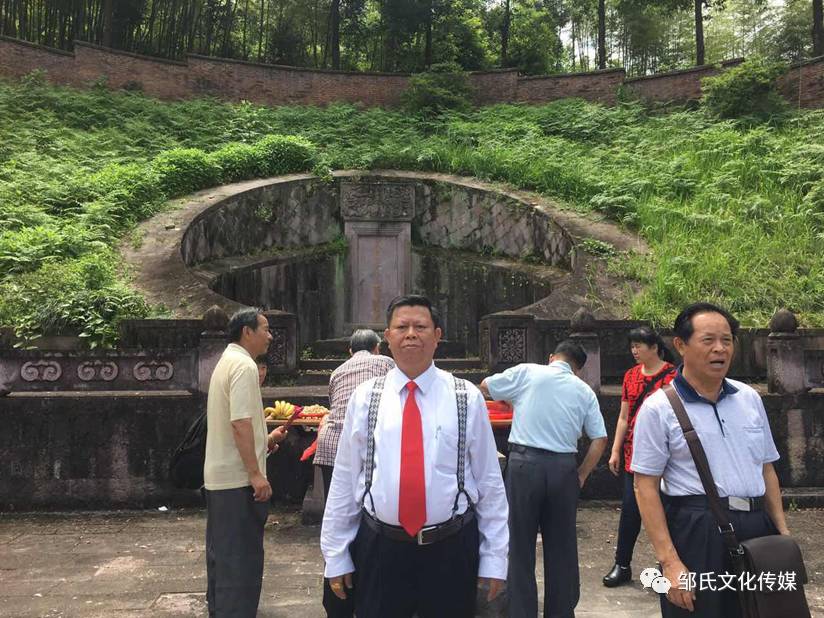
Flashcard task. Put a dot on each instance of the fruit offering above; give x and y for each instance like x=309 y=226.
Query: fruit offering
x=314 y=411
x=281 y=411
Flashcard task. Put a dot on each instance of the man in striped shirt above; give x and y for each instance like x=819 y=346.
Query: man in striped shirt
x=366 y=362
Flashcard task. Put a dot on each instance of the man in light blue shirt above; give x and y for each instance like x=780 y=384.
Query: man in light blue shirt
x=731 y=423
x=553 y=407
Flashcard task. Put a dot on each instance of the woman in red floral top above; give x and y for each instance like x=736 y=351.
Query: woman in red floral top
x=651 y=372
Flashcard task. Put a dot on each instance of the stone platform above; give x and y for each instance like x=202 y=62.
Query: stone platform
x=134 y=564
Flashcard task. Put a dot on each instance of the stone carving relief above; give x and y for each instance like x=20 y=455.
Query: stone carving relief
x=512 y=345
x=387 y=201
x=41 y=371
x=276 y=355
x=150 y=371
x=94 y=371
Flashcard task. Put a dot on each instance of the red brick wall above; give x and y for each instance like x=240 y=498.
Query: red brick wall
x=674 y=86
x=803 y=84
x=276 y=85
x=19 y=58
x=156 y=77
x=494 y=86
x=601 y=86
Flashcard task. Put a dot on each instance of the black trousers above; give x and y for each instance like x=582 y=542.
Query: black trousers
x=695 y=535
x=629 y=526
x=334 y=606
x=542 y=488
x=234 y=552
x=394 y=579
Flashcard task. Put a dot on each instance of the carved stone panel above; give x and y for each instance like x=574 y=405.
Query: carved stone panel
x=276 y=355
x=93 y=371
x=512 y=345
x=41 y=371
x=150 y=371
x=377 y=201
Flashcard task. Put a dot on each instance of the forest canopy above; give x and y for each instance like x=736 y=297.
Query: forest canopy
x=533 y=36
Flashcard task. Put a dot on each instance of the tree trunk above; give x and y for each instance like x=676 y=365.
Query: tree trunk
x=505 y=34
x=818 y=27
x=334 y=33
x=602 y=34
x=699 y=32
x=427 y=52
x=108 y=14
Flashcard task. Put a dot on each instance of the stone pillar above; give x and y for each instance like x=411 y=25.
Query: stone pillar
x=785 y=355
x=584 y=333
x=282 y=356
x=210 y=346
x=313 y=501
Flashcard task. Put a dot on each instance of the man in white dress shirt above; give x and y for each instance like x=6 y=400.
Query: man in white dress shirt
x=414 y=523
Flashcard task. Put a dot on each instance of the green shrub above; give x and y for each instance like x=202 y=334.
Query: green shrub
x=27 y=249
x=285 y=154
x=746 y=91
x=135 y=188
x=443 y=87
x=81 y=295
x=185 y=170
x=238 y=162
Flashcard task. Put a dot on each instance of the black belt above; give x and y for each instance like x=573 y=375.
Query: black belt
x=731 y=503
x=533 y=450
x=426 y=535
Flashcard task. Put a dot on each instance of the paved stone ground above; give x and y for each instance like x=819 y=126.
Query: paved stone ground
x=146 y=563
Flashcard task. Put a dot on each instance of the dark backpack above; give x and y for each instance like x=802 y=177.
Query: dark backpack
x=186 y=465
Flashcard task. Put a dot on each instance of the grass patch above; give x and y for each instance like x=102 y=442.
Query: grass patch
x=733 y=213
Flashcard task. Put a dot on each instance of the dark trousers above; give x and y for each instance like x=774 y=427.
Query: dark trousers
x=629 y=526
x=334 y=606
x=394 y=579
x=694 y=533
x=542 y=488
x=234 y=552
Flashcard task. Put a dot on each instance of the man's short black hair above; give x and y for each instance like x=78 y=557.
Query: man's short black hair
x=364 y=339
x=683 y=327
x=413 y=300
x=573 y=352
x=242 y=317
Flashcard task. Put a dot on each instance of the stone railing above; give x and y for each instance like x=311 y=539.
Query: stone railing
x=161 y=355
x=790 y=360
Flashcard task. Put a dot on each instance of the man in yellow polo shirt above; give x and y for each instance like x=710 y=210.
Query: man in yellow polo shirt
x=234 y=471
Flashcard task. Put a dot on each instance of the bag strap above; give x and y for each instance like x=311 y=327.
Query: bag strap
x=371 y=422
x=648 y=388
x=461 y=402
x=699 y=456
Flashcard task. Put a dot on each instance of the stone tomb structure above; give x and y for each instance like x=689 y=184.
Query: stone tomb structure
x=96 y=428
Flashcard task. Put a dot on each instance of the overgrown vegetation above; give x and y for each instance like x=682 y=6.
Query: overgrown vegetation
x=747 y=91
x=733 y=213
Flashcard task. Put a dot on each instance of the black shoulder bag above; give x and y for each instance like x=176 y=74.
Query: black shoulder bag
x=186 y=464
x=767 y=554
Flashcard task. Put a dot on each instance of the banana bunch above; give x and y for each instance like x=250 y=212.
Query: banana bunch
x=282 y=410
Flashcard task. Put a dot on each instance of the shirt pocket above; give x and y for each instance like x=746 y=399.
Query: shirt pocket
x=753 y=436
x=446 y=447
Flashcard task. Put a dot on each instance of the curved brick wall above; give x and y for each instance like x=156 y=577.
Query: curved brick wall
x=234 y=80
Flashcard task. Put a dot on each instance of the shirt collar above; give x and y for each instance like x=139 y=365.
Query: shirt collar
x=423 y=381
x=239 y=348
x=561 y=365
x=690 y=395
x=360 y=353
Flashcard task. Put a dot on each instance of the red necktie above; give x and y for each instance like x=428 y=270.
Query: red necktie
x=412 y=494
